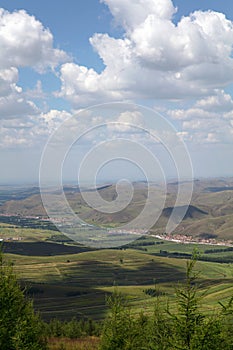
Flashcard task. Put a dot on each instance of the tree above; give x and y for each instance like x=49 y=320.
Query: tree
x=185 y=328
x=119 y=327
x=20 y=326
x=192 y=329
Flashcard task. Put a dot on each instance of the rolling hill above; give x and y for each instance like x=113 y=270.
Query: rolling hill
x=210 y=210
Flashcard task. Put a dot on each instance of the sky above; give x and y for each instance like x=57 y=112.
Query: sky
x=58 y=59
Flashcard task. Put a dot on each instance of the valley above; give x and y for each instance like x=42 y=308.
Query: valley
x=67 y=279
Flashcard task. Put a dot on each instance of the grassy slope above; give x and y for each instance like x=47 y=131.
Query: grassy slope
x=77 y=284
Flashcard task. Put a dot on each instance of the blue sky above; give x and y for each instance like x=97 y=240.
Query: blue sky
x=57 y=58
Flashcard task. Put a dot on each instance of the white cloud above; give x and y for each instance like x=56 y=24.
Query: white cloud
x=186 y=114
x=128 y=121
x=53 y=119
x=209 y=120
x=25 y=42
x=36 y=93
x=15 y=106
x=155 y=58
x=219 y=103
x=130 y=14
x=30 y=130
x=16 y=137
x=8 y=80
x=197 y=124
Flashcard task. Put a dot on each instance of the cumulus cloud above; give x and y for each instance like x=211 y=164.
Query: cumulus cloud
x=52 y=119
x=25 y=42
x=209 y=120
x=17 y=133
x=155 y=58
x=30 y=130
x=14 y=106
x=191 y=113
x=130 y=14
x=8 y=80
x=128 y=121
x=221 y=102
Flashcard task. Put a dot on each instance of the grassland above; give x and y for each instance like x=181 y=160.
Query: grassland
x=69 y=285
x=66 y=279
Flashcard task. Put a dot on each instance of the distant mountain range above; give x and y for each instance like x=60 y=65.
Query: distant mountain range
x=209 y=213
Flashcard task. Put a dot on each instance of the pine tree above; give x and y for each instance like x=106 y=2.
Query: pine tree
x=20 y=327
x=192 y=329
x=119 y=327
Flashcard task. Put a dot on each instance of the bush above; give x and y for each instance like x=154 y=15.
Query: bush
x=71 y=329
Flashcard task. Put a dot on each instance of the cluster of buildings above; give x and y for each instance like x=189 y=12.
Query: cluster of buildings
x=178 y=238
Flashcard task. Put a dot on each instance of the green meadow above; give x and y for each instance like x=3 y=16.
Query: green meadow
x=67 y=285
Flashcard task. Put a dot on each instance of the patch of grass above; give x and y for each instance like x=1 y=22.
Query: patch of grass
x=9 y=232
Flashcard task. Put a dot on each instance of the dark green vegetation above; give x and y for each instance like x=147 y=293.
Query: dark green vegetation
x=41 y=248
x=186 y=328
x=32 y=223
x=20 y=327
x=219 y=189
